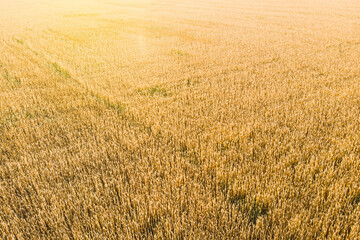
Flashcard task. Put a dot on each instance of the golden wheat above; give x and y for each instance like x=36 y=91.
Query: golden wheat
x=179 y=119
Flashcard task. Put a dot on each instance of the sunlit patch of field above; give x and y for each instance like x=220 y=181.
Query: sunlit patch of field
x=179 y=119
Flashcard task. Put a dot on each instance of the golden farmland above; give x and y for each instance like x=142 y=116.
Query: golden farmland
x=179 y=119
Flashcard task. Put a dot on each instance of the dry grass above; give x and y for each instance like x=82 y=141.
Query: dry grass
x=179 y=119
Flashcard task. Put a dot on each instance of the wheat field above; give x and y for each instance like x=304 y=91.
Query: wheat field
x=153 y=119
